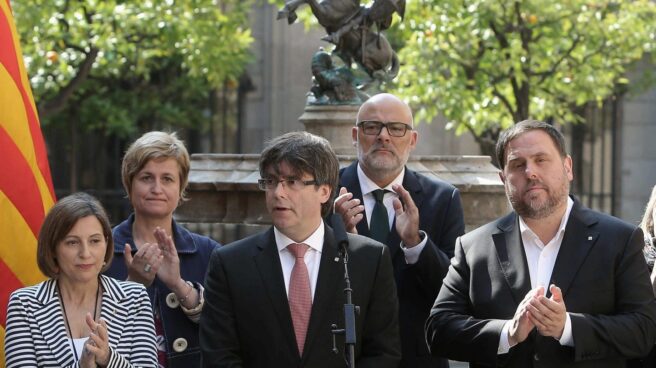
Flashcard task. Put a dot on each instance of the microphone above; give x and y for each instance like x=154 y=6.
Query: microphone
x=340 y=231
x=350 y=309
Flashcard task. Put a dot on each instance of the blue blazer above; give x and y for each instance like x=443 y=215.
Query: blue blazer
x=36 y=334
x=441 y=217
x=194 y=252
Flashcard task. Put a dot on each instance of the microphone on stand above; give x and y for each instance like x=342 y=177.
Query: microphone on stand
x=340 y=231
x=349 y=309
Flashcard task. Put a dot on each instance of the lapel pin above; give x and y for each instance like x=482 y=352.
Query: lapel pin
x=590 y=237
x=336 y=259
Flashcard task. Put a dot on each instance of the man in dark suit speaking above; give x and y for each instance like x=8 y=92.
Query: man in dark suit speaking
x=272 y=298
x=553 y=284
x=419 y=218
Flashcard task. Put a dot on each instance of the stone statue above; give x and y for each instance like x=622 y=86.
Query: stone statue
x=350 y=27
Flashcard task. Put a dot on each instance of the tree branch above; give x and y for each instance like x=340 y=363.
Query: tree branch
x=505 y=101
x=77 y=48
x=486 y=140
x=57 y=103
x=523 y=92
x=503 y=42
x=552 y=70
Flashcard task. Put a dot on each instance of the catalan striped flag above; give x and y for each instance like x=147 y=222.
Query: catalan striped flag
x=26 y=190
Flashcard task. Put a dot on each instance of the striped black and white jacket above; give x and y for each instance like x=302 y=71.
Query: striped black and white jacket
x=36 y=333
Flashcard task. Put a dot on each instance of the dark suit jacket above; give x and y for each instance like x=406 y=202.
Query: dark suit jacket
x=600 y=270
x=440 y=216
x=246 y=320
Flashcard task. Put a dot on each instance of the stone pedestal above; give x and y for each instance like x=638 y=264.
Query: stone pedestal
x=333 y=122
x=226 y=204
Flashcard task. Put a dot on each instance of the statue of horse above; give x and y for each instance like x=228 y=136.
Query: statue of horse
x=349 y=26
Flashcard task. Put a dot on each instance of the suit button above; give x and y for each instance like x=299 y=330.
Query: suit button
x=536 y=357
x=172 y=301
x=179 y=345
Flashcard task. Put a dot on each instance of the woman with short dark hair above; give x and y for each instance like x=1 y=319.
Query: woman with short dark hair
x=78 y=317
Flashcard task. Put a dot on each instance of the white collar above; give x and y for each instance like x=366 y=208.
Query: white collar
x=315 y=240
x=524 y=229
x=367 y=185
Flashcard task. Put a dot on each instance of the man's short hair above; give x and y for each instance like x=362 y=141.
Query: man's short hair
x=523 y=127
x=155 y=146
x=305 y=153
x=58 y=223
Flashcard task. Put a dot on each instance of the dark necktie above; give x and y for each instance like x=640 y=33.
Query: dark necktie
x=379 y=225
x=300 y=294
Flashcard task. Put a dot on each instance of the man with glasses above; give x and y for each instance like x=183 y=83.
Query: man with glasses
x=419 y=218
x=271 y=299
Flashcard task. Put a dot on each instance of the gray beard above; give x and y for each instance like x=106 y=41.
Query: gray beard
x=380 y=167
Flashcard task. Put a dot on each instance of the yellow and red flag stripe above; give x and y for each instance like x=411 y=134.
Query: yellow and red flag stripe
x=26 y=191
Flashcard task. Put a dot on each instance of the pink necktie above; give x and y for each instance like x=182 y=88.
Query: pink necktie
x=300 y=297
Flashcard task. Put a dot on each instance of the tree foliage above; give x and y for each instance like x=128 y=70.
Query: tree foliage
x=487 y=64
x=111 y=65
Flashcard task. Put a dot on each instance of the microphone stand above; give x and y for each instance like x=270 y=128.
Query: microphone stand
x=349 y=309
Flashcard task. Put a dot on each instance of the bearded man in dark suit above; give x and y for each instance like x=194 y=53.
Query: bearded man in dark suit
x=421 y=216
x=552 y=284
x=272 y=298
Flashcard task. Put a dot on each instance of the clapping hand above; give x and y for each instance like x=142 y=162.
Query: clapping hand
x=351 y=210
x=549 y=314
x=144 y=264
x=407 y=217
x=169 y=268
x=521 y=324
x=96 y=348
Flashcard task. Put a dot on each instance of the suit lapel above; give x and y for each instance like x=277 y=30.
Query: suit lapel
x=267 y=260
x=114 y=303
x=50 y=319
x=412 y=185
x=577 y=243
x=328 y=281
x=511 y=255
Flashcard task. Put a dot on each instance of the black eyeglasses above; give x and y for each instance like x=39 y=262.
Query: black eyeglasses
x=373 y=127
x=291 y=183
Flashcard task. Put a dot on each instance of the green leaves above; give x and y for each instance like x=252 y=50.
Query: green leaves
x=488 y=64
x=166 y=55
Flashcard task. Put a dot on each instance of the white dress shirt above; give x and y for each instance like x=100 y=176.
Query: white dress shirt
x=541 y=259
x=312 y=256
x=367 y=186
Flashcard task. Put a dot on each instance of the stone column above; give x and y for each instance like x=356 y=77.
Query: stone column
x=333 y=122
